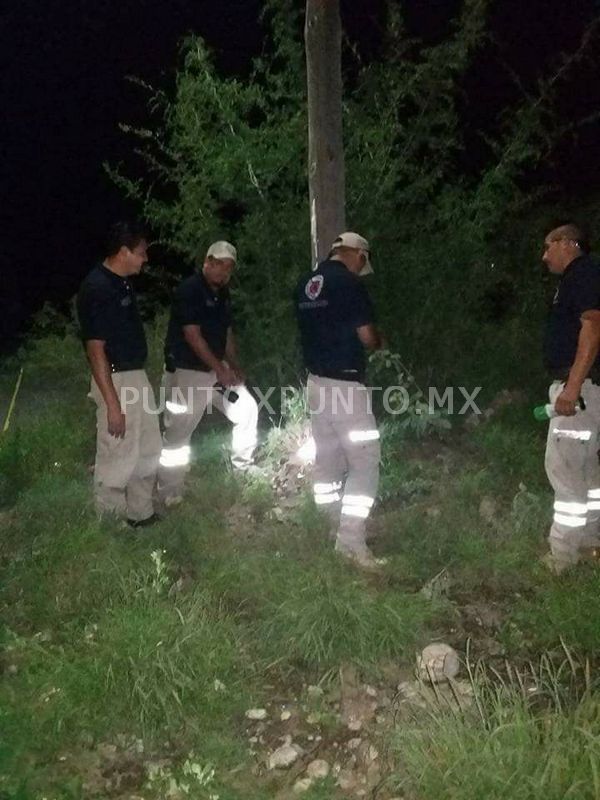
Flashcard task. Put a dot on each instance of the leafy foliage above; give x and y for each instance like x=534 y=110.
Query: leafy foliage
x=225 y=157
x=404 y=397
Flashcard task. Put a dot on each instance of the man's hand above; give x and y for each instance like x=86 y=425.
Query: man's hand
x=226 y=376
x=369 y=337
x=566 y=402
x=95 y=349
x=116 y=422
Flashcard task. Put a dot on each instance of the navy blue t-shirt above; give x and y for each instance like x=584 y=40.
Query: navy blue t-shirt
x=195 y=303
x=107 y=311
x=331 y=303
x=578 y=291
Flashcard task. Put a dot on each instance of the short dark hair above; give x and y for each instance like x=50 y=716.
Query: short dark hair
x=569 y=230
x=124 y=234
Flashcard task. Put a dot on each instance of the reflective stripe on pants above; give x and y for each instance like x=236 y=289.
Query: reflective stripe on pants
x=347 y=455
x=573 y=470
x=188 y=393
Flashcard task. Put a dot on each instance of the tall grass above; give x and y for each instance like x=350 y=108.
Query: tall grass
x=170 y=634
x=530 y=734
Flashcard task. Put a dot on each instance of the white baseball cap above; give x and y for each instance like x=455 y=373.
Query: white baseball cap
x=356 y=242
x=222 y=250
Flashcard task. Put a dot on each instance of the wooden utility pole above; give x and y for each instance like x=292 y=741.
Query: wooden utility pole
x=326 y=175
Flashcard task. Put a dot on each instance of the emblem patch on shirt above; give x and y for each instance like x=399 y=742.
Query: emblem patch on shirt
x=313 y=288
x=126 y=301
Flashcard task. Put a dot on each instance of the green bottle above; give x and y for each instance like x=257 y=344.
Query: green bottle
x=544 y=413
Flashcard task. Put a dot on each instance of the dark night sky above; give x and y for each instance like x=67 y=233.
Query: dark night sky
x=63 y=93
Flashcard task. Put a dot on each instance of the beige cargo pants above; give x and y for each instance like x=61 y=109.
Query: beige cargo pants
x=188 y=393
x=125 y=470
x=573 y=470
x=346 y=472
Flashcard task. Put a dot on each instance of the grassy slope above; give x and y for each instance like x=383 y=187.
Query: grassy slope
x=167 y=637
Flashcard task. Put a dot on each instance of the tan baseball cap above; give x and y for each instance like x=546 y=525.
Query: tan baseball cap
x=222 y=250
x=356 y=242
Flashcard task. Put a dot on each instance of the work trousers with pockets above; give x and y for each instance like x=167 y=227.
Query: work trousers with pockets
x=573 y=470
x=125 y=469
x=188 y=394
x=346 y=472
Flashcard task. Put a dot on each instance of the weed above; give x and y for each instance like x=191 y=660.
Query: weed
x=318 y=617
x=192 y=779
x=405 y=397
x=530 y=734
x=257 y=495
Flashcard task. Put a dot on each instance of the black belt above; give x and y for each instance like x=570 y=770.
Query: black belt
x=339 y=375
x=126 y=366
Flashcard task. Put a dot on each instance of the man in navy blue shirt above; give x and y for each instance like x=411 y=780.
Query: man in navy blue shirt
x=128 y=436
x=571 y=351
x=202 y=369
x=337 y=324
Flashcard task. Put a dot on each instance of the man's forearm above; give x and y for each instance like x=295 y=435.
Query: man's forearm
x=201 y=349
x=231 y=351
x=369 y=337
x=588 y=347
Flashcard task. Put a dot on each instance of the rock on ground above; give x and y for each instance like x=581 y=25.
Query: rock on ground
x=284 y=756
x=318 y=770
x=438 y=662
x=256 y=713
